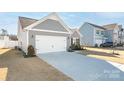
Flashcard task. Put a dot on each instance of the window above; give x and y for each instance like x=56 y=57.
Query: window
x=97 y=31
x=102 y=33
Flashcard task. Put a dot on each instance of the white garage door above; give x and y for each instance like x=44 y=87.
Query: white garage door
x=46 y=44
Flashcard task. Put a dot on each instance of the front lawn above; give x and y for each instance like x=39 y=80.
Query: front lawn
x=105 y=54
x=2 y=50
x=14 y=67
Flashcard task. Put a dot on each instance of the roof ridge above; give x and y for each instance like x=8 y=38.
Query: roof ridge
x=111 y=24
x=92 y=24
x=96 y=25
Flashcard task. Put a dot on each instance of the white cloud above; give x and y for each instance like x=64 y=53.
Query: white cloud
x=111 y=14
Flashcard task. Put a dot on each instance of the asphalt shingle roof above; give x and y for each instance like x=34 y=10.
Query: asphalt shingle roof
x=97 y=26
x=110 y=26
x=26 y=21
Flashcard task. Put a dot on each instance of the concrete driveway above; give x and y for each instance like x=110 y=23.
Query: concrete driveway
x=80 y=67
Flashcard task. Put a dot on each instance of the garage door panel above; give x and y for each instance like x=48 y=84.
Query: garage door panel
x=46 y=44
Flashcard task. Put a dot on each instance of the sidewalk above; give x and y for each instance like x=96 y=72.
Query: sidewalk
x=118 y=65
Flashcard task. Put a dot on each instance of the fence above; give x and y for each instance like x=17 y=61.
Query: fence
x=8 y=44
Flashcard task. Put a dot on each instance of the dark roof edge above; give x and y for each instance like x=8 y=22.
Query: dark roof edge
x=97 y=26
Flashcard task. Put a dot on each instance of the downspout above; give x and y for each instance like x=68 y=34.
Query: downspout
x=27 y=40
x=94 y=36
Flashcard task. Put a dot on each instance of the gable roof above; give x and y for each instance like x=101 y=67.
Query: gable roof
x=110 y=26
x=75 y=30
x=52 y=16
x=24 y=21
x=50 y=24
x=96 y=26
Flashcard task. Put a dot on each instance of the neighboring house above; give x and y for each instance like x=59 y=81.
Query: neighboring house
x=75 y=37
x=7 y=42
x=92 y=34
x=121 y=35
x=113 y=32
x=49 y=34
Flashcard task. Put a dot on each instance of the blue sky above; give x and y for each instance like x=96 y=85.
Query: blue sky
x=8 y=20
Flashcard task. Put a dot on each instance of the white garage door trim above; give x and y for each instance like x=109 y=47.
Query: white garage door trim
x=45 y=44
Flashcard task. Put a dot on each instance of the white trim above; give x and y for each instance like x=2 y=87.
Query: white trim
x=50 y=31
x=47 y=17
x=27 y=39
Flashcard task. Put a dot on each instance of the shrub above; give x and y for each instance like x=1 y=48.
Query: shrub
x=19 y=49
x=75 y=47
x=31 y=51
x=24 y=54
x=70 y=49
x=78 y=47
x=72 y=46
x=16 y=47
x=96 y=45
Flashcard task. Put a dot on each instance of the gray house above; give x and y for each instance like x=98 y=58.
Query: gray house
x=49 y=34
x=121 y=35
x=112 y=32
x=92 y=34
x=75 y=37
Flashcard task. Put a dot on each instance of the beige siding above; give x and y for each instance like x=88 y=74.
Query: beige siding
x=51 y=25
x=75 y=35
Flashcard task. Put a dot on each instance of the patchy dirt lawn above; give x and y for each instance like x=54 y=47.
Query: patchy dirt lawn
x=14 y=67
x=105 y=54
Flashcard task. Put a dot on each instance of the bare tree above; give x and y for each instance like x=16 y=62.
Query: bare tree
x=4 y=32
x=114 y=48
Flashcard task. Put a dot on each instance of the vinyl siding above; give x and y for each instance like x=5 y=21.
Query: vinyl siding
x=22 y=38
x=88 y=35
x=50 y=24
